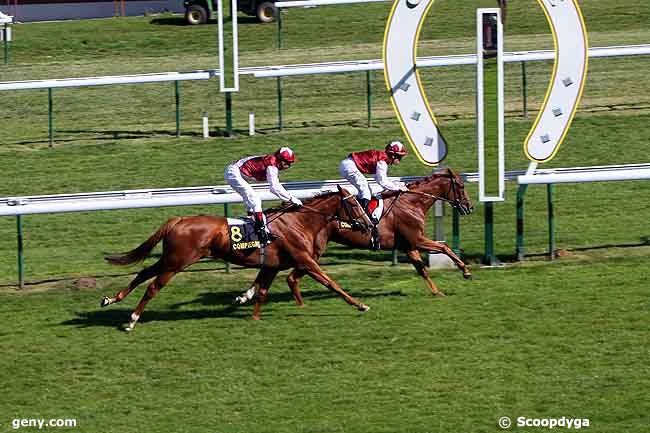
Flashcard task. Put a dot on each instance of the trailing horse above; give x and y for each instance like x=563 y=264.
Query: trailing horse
x=401 y=227
x=188 y=239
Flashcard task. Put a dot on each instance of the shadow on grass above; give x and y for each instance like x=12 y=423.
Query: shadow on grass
x=226 y=298
x=169 y=21
x=116 y=317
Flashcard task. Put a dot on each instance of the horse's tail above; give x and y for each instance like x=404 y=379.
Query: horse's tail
x=141 y=252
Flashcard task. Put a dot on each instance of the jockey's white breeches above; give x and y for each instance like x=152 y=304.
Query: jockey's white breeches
x=348 y=169
x=235 y=179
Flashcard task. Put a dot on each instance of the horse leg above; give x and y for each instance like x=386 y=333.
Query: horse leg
x=152 y=291
x=250 y=293
x=421 y=268
x=440 y=248
x=143 y=275
x=293 y=279
x=245 y=297
x=264 y=279
x=312 y=268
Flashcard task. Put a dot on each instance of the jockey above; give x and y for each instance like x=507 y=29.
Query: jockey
x=260 y=168
x=374 y=162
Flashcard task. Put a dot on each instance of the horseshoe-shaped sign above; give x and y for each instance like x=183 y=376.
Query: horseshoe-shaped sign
x=415 y=115
x=567 y=82
x=403 y=81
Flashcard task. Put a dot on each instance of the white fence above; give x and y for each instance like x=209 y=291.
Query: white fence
x=222 y=194
x=311 y=68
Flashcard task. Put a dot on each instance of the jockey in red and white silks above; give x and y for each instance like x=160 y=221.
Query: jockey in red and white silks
x=260 y=168
x=374 y=162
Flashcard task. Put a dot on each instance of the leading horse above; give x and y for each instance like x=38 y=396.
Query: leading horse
x=189 y=239
x=401 y=227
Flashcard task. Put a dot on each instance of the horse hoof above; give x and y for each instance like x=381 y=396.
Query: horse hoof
x=363 y=308
x=129 y=328
x=255 y=317
x=105 y=302
x=440 y=295
x=468 y=276
x=239 y=300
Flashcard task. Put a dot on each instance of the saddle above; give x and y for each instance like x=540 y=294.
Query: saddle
x=242 y=234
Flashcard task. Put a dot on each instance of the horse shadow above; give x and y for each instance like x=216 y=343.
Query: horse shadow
x=117 y=317
x=226 y=298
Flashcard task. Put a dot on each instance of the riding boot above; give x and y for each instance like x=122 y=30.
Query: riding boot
x=260 y=229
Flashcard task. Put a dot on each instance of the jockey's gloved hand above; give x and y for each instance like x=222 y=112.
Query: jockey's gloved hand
x=296 y=201
x=403 y=188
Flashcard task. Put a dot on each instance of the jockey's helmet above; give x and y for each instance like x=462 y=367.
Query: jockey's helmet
x=285 y=154
x=396 y=148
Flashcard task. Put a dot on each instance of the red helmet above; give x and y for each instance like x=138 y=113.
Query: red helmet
x=285 y=154
x=396 y=148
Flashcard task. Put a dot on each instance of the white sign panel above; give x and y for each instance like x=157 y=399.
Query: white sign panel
x=404 y=84
x=568 y=79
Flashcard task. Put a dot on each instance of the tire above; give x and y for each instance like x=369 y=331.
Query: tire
x=196 y=14
x=266 y=12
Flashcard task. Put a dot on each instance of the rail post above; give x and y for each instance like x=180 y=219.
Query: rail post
x=279 y=28
x=50 y=117
x=524 y=89
x=21 y=256
x=6 y=38
x=228 y=114
x=455 y=228
x=551 y=221
x=369 y=96
x=489 y=259
x=279 y=88
x=177 y=99
x=521 y=192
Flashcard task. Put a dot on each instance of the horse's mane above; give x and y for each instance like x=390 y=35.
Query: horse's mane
x=319 y=196
x=428 y=178
x=415 y=183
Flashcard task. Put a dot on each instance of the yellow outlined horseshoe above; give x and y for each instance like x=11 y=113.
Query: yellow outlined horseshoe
x=567 y=81
x=403 y=80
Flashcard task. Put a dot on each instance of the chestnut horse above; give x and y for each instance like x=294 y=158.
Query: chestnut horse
x=401 y=227
x=188 y=239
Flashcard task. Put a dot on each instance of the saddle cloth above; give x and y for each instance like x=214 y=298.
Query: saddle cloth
x=376 y=207
x=241 y=232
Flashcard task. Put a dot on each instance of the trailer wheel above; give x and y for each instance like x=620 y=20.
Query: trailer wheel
x=196 y=14
x=266 y=12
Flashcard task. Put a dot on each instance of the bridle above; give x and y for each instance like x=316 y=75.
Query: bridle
x=454 y=202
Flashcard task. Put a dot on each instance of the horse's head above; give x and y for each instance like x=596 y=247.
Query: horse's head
x=352 y=212
x=446 y=185
x=456 y=193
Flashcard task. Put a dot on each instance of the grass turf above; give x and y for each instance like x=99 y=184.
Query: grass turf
x=535 y=339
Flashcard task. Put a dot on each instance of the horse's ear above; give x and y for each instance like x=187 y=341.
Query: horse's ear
x=339 y=188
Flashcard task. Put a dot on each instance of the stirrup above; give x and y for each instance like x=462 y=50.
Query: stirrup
x=374 y=239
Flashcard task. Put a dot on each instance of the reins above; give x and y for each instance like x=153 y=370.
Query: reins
x=336 y=217
x=424 y=194
x=279 y=213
